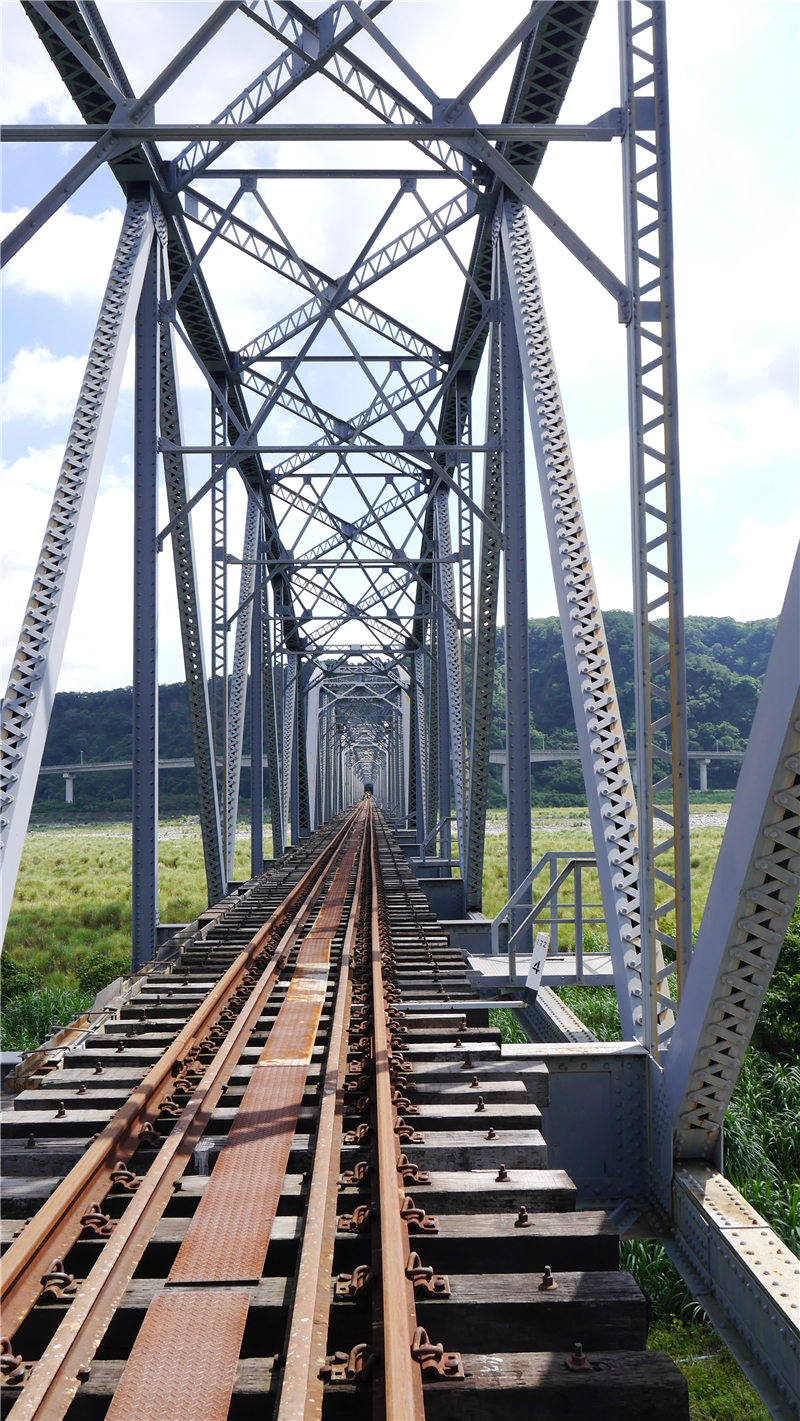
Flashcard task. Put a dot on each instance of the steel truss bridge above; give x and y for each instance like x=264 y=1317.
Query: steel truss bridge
x=384 y=538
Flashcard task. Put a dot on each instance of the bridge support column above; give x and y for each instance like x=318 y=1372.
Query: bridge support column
x=518 y=735
x=145 y=622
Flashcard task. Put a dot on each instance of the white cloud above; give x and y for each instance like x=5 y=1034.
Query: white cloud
x=41 y=385
x=69 y=258
x=756 y=588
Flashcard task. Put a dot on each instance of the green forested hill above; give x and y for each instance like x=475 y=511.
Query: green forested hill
x=726 y=661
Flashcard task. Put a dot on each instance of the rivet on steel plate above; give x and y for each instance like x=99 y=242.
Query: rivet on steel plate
x=522 y=1220
x=578 y=1362
x=502 y=1175
x=548 y=1282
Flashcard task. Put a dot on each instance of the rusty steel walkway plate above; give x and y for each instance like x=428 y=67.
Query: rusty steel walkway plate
x=166 y=1380
x=228 y=1237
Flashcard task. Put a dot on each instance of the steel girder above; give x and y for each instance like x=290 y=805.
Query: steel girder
x=753 y=894
x=517 y=668
x=659 y=639
x=34 y=675
x=238 y=679
x=485 y=645
x=598 y=721
x=189 y=617
x=144 y=786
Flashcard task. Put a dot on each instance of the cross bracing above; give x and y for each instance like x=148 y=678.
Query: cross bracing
x=378 y=438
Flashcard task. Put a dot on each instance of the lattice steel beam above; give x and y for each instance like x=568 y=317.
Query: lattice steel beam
x=598 y=720
x=34 y=674
x=750 y=902
x=659 y=650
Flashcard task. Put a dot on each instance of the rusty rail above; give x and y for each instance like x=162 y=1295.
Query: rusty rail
x=402 y=1377
x=56 y=1377
x=302 y=1386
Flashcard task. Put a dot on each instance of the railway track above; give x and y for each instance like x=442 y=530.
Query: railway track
x=294 y=1176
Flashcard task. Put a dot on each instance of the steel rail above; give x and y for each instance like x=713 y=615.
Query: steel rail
x=302 y=1386
x=57 y=1225
x=56 y=1376
x=401 y=1375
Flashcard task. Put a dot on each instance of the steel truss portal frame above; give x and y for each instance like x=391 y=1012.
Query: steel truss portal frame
x=363 y=636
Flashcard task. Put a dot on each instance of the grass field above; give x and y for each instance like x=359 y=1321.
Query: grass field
x=69 y=934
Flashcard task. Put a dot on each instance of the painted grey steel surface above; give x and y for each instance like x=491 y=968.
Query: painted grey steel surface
x=485 y=644
x=612 y=810
x=515 y=599
x=750 y=903
x=659 y=639
x=34 y=674
x=237 y=690
x=189 y=616
x=144 y=786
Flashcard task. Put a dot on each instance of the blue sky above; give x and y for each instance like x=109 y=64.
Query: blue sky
x=733 y=76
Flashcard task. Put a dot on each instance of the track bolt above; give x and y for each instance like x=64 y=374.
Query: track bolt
x=480 y=1103
x=474 y=1083
x=98 y=1070
x=548 y=1281
x=522 y=1221
x=466 y=1064
x=31 y=1145
x=62 y=1110
x=492 y=1133
x=577 y=1362
x=120 y=1048
x=82 y=1088
x=459 y=1042
x=502 y=1175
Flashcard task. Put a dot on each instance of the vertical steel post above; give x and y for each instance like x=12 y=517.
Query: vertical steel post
x=237 y=692
x=294 y=763
x=303 y=802
x=145 y=623
x=418 y=728
x=257 y=718
x=518 y=735
x=219 y=604
x=443 y=723
x=485 y=646
x=271 y=732
x=659 y=639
